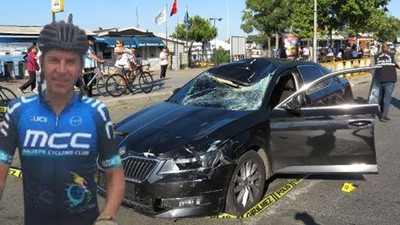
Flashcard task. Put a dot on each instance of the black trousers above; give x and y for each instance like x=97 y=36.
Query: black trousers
x=31 y=82
x=163 y=71
x=89 y=73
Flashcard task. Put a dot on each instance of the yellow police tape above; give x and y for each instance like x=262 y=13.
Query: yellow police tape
x=265 y=203
x=12 y=171
x=3 y=109
x=254 y=211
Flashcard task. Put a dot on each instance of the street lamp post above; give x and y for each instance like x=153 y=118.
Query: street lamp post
x=315 y=33
x=215 y=42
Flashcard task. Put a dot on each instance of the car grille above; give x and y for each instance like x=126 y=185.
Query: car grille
x=138 y=169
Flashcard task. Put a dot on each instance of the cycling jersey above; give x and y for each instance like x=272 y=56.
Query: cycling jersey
x=58 y=157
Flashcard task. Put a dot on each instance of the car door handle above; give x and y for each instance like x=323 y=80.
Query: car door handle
x=360 y=123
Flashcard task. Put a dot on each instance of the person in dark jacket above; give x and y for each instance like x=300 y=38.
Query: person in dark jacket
x=389 y=62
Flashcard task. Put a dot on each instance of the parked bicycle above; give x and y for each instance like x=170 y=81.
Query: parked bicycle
x=6 y=96
x=100 y=81
x=117 y=84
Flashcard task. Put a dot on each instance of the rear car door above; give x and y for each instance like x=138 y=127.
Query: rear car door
x=322 y=129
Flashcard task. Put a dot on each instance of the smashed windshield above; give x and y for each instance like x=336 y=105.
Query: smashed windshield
x=207 y=90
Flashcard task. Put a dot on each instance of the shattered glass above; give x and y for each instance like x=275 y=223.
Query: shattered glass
x=214 y=92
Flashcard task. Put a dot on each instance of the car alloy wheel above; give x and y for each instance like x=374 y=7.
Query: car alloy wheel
x=247 y=184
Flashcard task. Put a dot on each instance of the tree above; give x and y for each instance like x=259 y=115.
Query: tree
x=220 y=56
x=384 y=28
x=297 y=16
x=268 y=17
x=201 y=31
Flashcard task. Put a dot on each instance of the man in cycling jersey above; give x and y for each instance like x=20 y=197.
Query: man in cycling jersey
x=60 y=135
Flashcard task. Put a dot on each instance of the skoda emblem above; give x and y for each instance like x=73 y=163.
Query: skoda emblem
x=75 y=121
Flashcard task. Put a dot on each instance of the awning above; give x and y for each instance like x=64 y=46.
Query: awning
x=110 y=42
x=149 y=41
x=17 y=38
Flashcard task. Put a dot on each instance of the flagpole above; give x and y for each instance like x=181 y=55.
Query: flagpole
x=137 y=14
x=166 y=25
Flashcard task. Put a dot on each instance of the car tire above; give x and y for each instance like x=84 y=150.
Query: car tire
x=246 y=187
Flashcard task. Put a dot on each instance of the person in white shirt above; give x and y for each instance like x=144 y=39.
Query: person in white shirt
x=122 y=54
x=163 y=62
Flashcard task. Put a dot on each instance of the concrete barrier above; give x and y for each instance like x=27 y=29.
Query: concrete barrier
x=348 y=64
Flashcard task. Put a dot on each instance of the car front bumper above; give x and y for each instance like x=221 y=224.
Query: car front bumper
x=188 y=194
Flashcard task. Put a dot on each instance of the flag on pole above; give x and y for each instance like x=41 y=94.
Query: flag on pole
x=186 y=20
x=161 y=17
x=174 y=8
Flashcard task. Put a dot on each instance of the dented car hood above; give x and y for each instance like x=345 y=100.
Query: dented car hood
x=166 y=129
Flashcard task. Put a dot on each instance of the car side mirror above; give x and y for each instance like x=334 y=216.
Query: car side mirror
x=293 y=106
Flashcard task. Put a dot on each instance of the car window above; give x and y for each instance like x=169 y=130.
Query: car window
x=207 y=90
x=285 y=86
x=310 y=72
x=328 y=92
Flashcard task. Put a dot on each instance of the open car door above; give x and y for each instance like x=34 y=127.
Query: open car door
x=323 y=128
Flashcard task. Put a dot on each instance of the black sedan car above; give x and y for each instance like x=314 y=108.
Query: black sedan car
x=213 y=144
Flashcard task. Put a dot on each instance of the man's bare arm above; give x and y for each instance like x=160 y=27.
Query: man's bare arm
x=3 y=177
x=115 y=192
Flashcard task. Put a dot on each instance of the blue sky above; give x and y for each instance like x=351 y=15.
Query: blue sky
x=93 y=14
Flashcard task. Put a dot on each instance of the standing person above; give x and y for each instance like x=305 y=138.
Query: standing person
x=122 y=55
x=389 y=62
x=163 y=62
x=306 y=53
x=133 y=62
x=90 y=64
x=59 y=136
x=32 y=66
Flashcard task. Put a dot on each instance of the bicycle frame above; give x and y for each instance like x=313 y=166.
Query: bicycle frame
x=93 y=78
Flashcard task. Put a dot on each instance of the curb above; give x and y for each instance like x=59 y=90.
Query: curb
x=135 y=97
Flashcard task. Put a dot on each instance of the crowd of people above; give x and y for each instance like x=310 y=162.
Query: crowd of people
x=327 y=53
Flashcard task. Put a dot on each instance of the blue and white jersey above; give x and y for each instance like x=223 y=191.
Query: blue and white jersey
x=58 y=156
x=89 y=62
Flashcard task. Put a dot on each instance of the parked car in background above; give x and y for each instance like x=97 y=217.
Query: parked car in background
x=213 y=144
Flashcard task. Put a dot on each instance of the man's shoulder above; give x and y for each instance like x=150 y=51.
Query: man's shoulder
x=95 y=107
x=22 y=103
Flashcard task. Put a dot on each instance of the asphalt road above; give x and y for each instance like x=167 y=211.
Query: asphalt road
x=316 y=200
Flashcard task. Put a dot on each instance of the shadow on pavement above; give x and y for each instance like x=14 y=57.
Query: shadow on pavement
x=305 y=218
x=395 y=102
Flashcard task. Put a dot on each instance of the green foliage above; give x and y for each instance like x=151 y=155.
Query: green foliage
x=297 y=16
x=259 y=39
x=385 y=28
x=220 y=56
x=201 y=30
x=267 y=16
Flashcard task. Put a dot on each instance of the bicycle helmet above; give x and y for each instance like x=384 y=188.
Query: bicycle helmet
x=64 y=36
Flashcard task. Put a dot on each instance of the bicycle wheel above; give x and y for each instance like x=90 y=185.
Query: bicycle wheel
x=116 y=85
x=101 y=85
x=146 y=82
x=6 y=96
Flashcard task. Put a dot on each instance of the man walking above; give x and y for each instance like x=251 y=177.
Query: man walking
x=60 y=136
x=389 y=62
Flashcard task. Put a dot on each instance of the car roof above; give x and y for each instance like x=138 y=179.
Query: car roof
x=251 y=71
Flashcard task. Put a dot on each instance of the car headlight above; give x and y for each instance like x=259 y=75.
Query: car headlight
x=180 y=165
